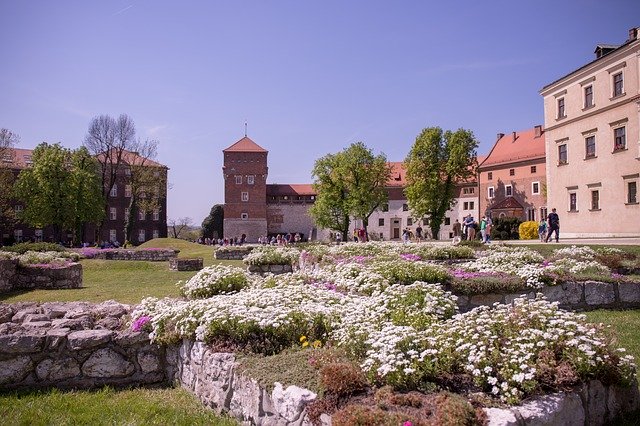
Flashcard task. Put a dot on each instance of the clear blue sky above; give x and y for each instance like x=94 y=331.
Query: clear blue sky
x=310 y=77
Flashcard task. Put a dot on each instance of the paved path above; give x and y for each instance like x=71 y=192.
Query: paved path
x=586 y=241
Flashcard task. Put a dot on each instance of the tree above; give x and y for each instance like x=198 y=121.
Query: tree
x=8 y=141
x=180 y=227
x=86 y=196
x=349 y=184
x=437 y=161
x=212 y=225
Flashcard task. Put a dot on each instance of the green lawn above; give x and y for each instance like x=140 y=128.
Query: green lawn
x=173 y=406
x=625 y=326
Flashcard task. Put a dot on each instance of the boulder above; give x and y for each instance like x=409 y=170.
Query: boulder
x=555 y=409
x=22 y=343
x=290 y=402
x=57 y=369
x=15 y=369
x=106 y=363
x=85 y=339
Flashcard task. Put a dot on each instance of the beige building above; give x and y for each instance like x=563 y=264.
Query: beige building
x=592 y=121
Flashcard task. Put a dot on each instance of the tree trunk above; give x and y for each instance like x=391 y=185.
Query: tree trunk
x=129 y=220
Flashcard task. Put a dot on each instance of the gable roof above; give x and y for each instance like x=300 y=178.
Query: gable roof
x=133 y=158
x=22 y=159
x=506 y=203
x=516 y=146
x=245 y=145
x=290 y=189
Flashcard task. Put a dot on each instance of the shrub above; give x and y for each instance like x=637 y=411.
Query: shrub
x=360 y=415
x=212 y=280
x=407 y=272
x=505 y=228
x=342 y=378
x=22 y=248
x=471 y=283
x=47 y=257
x=272 y=256
x=528 y=230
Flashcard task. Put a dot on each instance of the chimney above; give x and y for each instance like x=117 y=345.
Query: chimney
x=538 y=130
x=500 y=136
x=514 y=136
x=633 y=34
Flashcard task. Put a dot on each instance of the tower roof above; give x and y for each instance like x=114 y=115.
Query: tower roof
x=245 y=145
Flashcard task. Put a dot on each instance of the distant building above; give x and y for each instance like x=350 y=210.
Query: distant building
x=592 y=120
x=512 y=177
x=255 y=208
x=148 y=224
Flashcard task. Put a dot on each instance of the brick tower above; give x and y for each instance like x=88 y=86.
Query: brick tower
x=245 y=190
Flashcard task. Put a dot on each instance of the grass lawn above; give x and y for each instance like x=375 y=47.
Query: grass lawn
x=625 y=326
x=167 y=406
x=125 y=281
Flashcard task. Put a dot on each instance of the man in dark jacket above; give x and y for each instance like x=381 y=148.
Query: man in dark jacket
x=554 y=225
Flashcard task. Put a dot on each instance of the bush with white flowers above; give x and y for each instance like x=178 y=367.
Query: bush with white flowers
x=212 y=280
x=268 y=255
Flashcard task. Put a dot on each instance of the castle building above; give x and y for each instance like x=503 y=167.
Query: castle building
x=512 y=177
x=592 y=121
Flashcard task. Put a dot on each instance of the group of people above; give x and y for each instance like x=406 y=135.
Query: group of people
x=235 y=241
x=467 y=230
x=360 y=235
x=547 y=227
x=279 y=239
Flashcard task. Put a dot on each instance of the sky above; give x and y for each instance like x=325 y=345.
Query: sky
x=308 y=77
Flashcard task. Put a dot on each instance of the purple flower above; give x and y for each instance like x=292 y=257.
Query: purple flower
x=139 y=324
x=410 y=257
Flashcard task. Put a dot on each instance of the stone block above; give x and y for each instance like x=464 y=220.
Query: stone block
x=130 y=338
x=6 y=313
x=622 y=400
x=53 y=370
x=290 y=402
x=21 y=314
x=509 y=298
x=148 y=361
x=22 y=343
x=596 y=406
x=14 y=370
x=86 y=339
x=56 y=337
x=500 y=417
x=598 y=294
x=486 y=299
x=246 y=399
x=556 y=409
x=106 y=363
x=629 y=292
x=36 y=317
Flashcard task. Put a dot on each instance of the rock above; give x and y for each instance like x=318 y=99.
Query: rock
x=290 y=403
x=596 y=406
x=246 y=399
x=509 y=298
x=500 y=417
x=325 y=419
x=111 y=308
x=58 y=369
x=629 y=292
x=14 y=370
x=148 y=361
x=486 y=299
x=82 y=323
x=36 y=318
x=555 y=409
x=22 y=343
x=56 y=337
x=19 y=316
x=622 y=400
x=108 y=323
x=86 y=339
x=106 y=363
x=6 y=313
x=130 y=338
x=36 y=324
x=596 y=293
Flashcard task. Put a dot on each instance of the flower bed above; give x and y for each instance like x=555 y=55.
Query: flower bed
x=232 y=252
x=147 y=254
x=33 y=270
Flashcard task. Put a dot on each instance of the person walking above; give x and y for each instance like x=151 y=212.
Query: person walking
x=483 y=229
x=554 y=225
x=457 y=231
x=542 y=229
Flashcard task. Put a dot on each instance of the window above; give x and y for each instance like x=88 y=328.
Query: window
x=588 y=97
x=141 y=236
x=18 y=209
x=447 y=221
x=244 y=216
x=112 y=213
x=632 y=192
x=156 y=234
x=250 y=179
x=245 y=196
x=38 y=235
x=405 y=207
x=595 y=200
x=114 y=191
x=531 y=214
x=409 y=221
x=468 y=190
x=112 y=235
x=381 y=221
x=534 y=169
x=618 y=86
x=620 y=140
x=512 y=172
x=17 y=235
x=561 y=113
x=385 y=207
x=127 y=190
x=142 y=214
x=535 y=187
x=508 y=190
x=489 y=175
x=466 y=205
x=562 y=154
x=156 y=215
x=471 y=205
x=491 y=193
x=590 y=147
x=238 y=180
x=573 y=202
x=543 y=212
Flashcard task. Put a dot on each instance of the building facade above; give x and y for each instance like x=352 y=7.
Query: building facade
x=592 y=121
x=148 y=225
x=512 y=177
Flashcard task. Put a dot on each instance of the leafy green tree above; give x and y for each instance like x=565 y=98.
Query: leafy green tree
x=212 y=224
x=437 y=161
x=8 y=141
x=61 y=189
x=349 y=184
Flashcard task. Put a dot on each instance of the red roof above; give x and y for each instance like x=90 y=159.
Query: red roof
x=133 y=158
x=507 y=203
x=524 y=146
x=245 y=145
x=22 y=159
x=293 y=189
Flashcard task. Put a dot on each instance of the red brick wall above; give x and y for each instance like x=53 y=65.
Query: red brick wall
x=245 y=164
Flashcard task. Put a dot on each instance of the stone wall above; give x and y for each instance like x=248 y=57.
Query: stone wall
x=146 y=255
x=185 y=264
x=230 y=253
x=580 y=296
x=74 y=345
x=270 y=269
x=16 y=277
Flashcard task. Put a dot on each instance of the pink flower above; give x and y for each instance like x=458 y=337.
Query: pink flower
x=407 y=423
x=139 y=324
